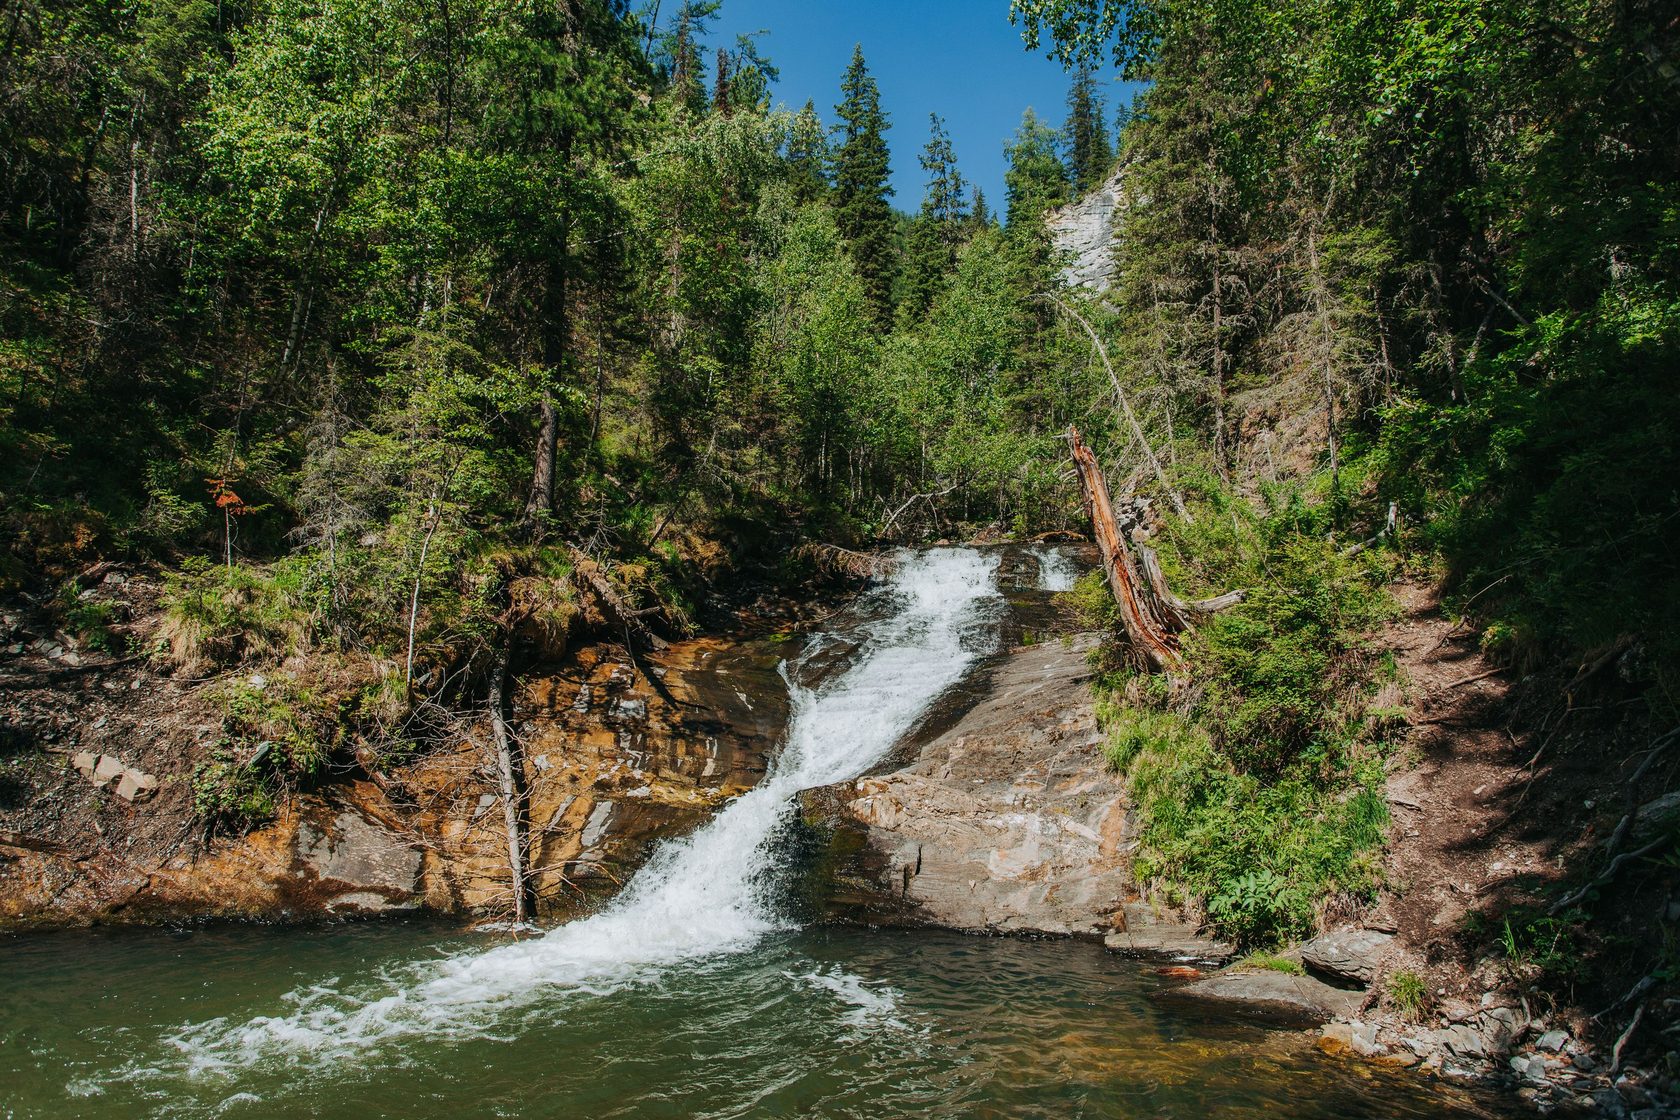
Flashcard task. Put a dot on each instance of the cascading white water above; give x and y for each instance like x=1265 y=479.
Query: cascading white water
x=699 y=897
x=1056 y=569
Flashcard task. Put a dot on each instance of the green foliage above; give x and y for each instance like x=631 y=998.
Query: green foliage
x=1542 y=947
x=1407 y=993
x=231 y=794
x=1036 y=178
x=861 y=190
x=1258 y=776
x=1268 y=962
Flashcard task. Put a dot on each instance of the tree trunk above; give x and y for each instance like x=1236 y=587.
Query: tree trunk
x=1153 y=617
x=1152 y=636
x=510 y=775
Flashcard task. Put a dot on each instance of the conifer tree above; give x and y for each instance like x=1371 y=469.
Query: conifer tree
x=807 y=156
x=1089 y=151
x=860 y=185
x=1036 y=179
x=931 y=252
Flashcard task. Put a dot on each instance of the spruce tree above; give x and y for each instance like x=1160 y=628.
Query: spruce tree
x=860 y=185
x=931 y=252
x=808 y=156
x=1036 y=179
x=1089 y=151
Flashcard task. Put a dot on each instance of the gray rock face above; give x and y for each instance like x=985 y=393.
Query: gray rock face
x=1085 y=230
x=1273 y=995
x=1148 y=932
x=361 y=865
x=1007 y=822
x=1350 y=955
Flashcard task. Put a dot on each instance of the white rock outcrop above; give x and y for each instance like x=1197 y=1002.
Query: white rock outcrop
x=1085 y=229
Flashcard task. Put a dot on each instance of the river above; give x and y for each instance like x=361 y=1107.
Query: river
x=694 y=994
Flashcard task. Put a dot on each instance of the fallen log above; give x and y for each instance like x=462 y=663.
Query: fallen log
x=1152 y=634
x=1152 y=616
x=510 y=780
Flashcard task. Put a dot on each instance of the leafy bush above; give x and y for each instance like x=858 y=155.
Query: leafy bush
x=1258 y=776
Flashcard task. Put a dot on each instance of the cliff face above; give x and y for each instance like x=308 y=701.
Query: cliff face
x=612 y=764
x=1085 y=229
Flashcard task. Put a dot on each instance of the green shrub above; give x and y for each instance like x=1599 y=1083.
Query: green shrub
x=1258 y=774
x=231 y=793
x=1407 y=993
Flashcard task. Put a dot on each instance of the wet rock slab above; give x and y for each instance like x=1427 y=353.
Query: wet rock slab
x=1274 y=995
x=1007 y=822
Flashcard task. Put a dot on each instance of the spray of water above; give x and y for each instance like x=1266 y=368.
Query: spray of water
x=699 y=897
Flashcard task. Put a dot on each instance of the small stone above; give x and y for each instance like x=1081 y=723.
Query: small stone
x=257 y=681
x=84 y=763
x=136 y=786
x=1464 y=1042
x=1336 y=1039
x=1583 y=1061
x=1552 y=1041
x=107 y=768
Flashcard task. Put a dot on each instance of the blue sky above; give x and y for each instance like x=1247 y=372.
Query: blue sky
x=959 y=58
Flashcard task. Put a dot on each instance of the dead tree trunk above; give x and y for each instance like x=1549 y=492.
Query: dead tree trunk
x=1153 y=617
x=510 y=778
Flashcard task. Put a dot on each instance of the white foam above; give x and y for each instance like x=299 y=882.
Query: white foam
x=1056 y=569
x=870 y=1008
x=697 y=898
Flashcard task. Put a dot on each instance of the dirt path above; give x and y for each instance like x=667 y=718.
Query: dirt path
x=1479 y=834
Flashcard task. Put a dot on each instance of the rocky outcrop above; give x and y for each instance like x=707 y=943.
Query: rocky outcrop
x=1007 y=822
x=1280 y=995
x=1349 y=956
x=1084 y=230
x=616 y=753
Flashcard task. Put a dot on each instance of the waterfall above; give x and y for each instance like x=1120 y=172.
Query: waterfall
x=1056 y=569
x=700 y=896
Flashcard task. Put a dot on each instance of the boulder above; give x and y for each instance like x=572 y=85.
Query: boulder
x=1349 y=955
x=1273 y=995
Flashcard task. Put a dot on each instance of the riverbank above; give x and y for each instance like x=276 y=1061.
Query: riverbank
x=100 y=819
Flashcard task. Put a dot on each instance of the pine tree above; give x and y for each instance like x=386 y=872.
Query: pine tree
x=860 y=185
x=683 y=59
x=931 y=252
x=1089 y=151
x=1036 y=179
x=808 y=156
x=979 y=217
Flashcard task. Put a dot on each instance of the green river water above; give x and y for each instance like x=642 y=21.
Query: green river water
x=823 y=1022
